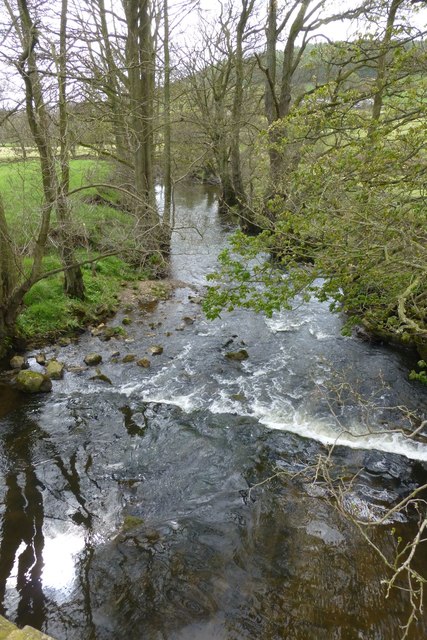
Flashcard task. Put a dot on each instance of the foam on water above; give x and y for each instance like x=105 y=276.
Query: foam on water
x=280 y=414
x=326 y=434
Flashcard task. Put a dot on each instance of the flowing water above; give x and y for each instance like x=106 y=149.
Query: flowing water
x=127 y=509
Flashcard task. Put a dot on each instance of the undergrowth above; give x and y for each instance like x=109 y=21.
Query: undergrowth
x=48 y=312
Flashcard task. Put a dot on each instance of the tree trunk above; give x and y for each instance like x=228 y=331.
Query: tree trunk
x=8 y=281
x=112 y=88
x=73 y=279
x=54 y=193
x=228 y=197
x=141 y=77
x=167 y=168
x=382 y=62
x=246 y=221
x=236 y=169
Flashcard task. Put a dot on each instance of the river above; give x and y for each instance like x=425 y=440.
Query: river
x=127 y=509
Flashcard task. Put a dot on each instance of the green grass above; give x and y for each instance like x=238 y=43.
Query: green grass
x=100 y=225
x=49 y=313
x=21 y=185
x=97 y=228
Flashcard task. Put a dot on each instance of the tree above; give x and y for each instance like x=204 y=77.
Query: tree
x=73 y=278
x=300 y=21
x=236 y=168
x=8 y=280
x=122 y=81
x=54 y=188
x=354 y=211
x=167 y=149
x=219 y=95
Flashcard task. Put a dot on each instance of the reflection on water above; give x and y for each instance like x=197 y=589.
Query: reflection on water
x=9 y=399
x=22 y=540
x=126 y=510
x=59 y=561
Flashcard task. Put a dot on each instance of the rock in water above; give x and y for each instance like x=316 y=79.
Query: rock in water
x=18 y=362
x=156 y=350
x=92 y=359
x=238 y=356
x=33 y=382
x=55 y=370
x=130 y=357
x=143 y=362
x=101 y=377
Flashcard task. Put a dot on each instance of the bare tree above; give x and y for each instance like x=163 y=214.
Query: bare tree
x=54 y=188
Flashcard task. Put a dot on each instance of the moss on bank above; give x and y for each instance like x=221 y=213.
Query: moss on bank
x=49 y=313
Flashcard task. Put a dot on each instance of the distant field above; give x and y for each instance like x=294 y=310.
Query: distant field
x=12 y=152
x=16 y=153
x=21 y=190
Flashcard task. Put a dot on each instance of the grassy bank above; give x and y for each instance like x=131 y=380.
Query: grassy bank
x=97 y=229
x=49 y=313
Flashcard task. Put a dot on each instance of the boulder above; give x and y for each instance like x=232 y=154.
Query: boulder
x=130 y=357
x=64 y=342
x=18 y=362
x=33 y=382
x=101 y=377
x=76 y=369
x=41 y=359
x=237 y=356
x=28 y=633
x=55 y=369
x=97 y=331
x=143 y=362
x=239 y=397
x=92 y=359
x=156 y=350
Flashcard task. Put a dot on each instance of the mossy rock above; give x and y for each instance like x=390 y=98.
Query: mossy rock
x=92 y=359
x=237 y=356
x=101 y=377
x=28 y=633
x=156 y=350
x=33 y=382
x=144 y=362
x=18 y=362
x=55 y=369
x=422 y=350
x=6 y=628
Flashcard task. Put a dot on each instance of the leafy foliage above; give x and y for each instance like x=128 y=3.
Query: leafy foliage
x=351 y=210
x=420 y=375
